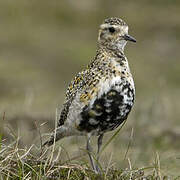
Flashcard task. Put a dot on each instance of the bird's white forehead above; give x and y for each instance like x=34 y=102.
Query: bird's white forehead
x=122 y=28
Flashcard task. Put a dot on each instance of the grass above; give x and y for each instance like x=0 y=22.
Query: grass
x=19 y=163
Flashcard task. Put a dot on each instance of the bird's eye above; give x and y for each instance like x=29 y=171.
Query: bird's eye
x=111 y=30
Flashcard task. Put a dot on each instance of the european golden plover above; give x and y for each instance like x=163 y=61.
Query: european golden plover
x=100 y=97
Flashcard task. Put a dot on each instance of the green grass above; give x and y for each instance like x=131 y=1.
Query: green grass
x=22 y=163
x=18 y=163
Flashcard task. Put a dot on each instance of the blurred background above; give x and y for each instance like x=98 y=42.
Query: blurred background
x=43 y=44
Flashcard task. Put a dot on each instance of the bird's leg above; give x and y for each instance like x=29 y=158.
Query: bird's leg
x=99 y=143
x=89 y=150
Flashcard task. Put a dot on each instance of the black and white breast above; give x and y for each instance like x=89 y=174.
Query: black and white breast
x=110 y=107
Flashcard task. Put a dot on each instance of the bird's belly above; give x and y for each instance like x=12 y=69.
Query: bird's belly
x=109 y=110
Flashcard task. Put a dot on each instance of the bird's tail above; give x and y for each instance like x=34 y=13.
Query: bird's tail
x=61 y=132
x=58 y=134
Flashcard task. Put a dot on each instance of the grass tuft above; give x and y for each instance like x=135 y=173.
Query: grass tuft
x=18 y=163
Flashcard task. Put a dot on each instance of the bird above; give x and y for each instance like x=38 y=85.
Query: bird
x=100 y=97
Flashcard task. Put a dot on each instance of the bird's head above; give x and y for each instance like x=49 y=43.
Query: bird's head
x=113 y=34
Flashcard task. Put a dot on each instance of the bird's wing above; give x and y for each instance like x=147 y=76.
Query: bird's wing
x=64 y=113
x=76 y=85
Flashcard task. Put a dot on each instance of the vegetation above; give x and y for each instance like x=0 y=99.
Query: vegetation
x=43 y=44
x=18 y=163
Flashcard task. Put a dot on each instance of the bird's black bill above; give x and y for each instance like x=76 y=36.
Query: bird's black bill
x=129 y=38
